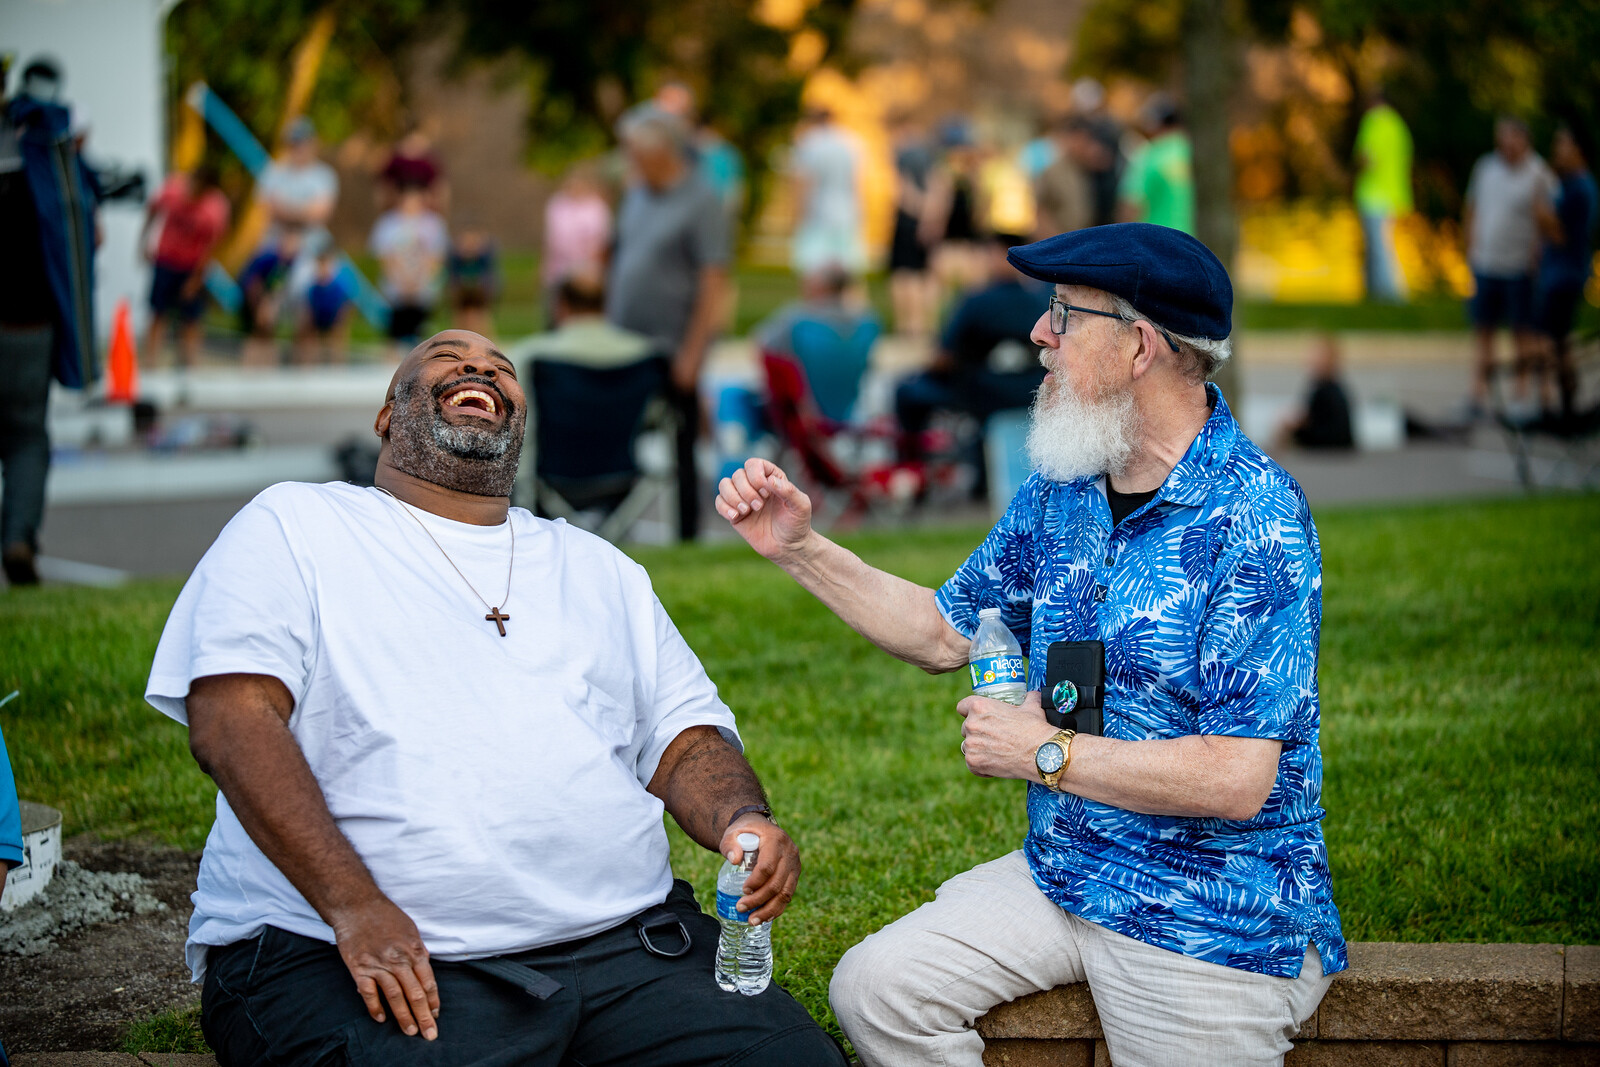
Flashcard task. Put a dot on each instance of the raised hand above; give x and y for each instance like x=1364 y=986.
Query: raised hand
x=768 y=510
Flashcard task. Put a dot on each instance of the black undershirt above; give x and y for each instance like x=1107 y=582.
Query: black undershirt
x=1125 y=504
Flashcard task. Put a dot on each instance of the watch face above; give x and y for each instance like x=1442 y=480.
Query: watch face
x=1049 y=758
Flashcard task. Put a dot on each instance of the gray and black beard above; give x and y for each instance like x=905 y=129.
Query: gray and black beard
x=466 y=458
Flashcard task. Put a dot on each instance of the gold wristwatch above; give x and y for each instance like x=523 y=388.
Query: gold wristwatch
x=1052 y=757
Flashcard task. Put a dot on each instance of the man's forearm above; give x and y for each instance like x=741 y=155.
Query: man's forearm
x=897 y=615
x=1195 y=776
x=703 y=319
x=702 y=781
x=269 y=785
x=281 y=807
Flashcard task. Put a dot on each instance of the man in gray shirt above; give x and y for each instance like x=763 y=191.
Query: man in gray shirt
x=1506 y=187
x=669 y=272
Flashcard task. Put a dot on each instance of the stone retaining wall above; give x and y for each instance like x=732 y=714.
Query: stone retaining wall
x=1399 y=1005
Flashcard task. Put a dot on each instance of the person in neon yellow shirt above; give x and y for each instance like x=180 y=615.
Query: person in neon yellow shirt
x=1158 y=185
x=1382 y=194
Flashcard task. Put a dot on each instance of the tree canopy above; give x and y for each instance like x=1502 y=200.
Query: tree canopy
x=1448 y=66
x=584 y=60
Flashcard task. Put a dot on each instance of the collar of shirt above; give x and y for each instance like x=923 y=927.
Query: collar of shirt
x=1191 y=480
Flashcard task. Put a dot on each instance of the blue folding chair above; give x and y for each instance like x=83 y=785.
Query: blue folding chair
x=834 y=363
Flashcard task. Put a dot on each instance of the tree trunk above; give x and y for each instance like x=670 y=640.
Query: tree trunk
x=1210 y=68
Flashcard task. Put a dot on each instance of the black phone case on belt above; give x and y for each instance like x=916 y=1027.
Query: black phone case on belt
x=1078 y=705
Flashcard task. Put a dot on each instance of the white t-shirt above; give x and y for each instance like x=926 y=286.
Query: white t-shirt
x=494 y=786
x=297 y=187
x=1504 y=234
x=412 y=250
x=827 y=158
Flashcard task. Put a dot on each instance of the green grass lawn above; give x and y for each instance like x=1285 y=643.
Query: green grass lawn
x=1459 y=683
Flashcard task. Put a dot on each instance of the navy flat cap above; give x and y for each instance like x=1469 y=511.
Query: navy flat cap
x=1163 y=272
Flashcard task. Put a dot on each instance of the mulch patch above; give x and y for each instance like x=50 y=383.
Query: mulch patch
x=85 y=992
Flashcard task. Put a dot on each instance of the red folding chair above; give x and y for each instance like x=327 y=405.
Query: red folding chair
x=851 y=462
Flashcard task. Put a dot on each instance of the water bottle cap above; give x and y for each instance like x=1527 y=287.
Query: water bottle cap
x=749 y=842
x=989 y=613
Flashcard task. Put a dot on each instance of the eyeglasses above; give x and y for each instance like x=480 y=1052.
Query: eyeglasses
x=1060 y=311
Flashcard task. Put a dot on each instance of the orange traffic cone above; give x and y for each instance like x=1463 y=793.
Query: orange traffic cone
x=122 y=364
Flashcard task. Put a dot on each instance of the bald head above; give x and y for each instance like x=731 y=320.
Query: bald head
x=454 y=415
x=464 y=342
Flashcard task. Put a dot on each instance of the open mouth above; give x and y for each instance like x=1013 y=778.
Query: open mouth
x=479 y=402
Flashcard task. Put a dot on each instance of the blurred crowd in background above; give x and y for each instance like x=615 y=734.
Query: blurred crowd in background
x=642 y=239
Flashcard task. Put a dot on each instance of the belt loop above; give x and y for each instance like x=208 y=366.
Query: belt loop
x=658 y=917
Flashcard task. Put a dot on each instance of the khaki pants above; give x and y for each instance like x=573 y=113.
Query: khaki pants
x=909 y=994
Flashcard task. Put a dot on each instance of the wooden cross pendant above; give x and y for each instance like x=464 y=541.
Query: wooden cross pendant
x=498 y=619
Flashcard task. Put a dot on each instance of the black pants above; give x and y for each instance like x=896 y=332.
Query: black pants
x=25 y=354
x=686 y=406
x=282 y=999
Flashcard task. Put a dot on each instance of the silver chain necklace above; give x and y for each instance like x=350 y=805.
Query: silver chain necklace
x=495 y=615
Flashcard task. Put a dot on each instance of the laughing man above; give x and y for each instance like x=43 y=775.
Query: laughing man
x=444 y=732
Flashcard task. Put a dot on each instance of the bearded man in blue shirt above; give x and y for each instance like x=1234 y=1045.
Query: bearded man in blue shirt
x=1175 y=862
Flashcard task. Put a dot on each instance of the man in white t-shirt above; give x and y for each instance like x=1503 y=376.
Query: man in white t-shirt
x=444 y=733
x=1506 y=188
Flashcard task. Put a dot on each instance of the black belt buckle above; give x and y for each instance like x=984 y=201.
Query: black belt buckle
x=656 y=918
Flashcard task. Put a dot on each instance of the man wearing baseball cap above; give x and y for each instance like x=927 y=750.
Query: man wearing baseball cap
x=1174 y=860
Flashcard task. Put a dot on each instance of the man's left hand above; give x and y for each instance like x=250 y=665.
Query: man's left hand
x=999 y=739
x=772 y=882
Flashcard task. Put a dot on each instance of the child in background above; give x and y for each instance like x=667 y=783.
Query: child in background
x=264 y=284
x=323 y=332
x=410 y=242
x=473 y=278
x=192 y=215
x=577 y=230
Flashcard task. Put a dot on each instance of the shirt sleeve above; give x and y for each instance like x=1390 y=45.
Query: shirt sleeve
x=246 y=609
x=1258 y=641
x=382 y=237
x=11 y=854
x=1132 y=188
x=684 y=697
x=712 y=242
x=999 y=573
x=1474 y=180
x=327 y=182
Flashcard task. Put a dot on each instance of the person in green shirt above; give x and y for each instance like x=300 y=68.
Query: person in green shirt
x=1382 y=194
x=1158 y=185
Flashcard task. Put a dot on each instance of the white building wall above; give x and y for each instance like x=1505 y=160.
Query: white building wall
x=111 y=55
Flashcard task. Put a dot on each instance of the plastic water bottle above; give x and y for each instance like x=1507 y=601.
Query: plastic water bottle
x=744 y=952
x=998 y=669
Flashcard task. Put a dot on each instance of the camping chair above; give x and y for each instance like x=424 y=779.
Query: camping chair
x=834 y=363
x=852 y=464
x=1557 y=450
x=584 y=429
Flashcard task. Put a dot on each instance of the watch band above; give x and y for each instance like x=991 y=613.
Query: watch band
x=1064 y=739
x=759 y=809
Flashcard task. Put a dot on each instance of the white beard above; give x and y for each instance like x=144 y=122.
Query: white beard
x=1071 y=436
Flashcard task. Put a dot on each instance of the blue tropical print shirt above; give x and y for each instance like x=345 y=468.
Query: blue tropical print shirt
x=1209 y=602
